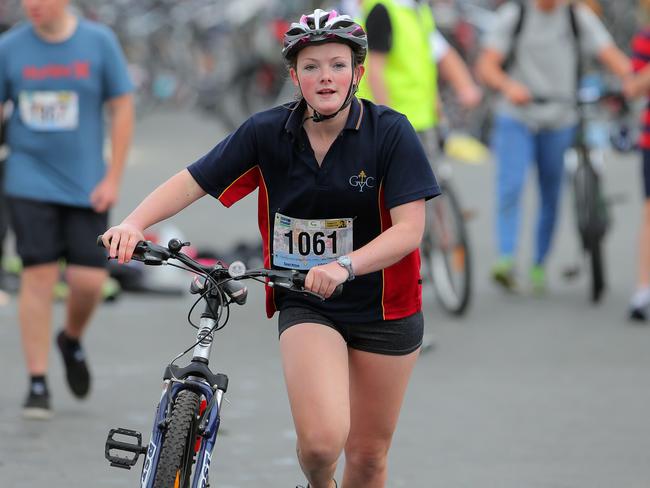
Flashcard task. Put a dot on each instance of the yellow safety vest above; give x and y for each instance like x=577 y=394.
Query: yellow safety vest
x=410 y=71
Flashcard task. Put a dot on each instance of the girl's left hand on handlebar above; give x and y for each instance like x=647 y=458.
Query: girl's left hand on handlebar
x=325 y=278
x=121 y=241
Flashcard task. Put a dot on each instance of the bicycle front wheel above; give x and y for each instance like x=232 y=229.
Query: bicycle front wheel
x=592 y=219
x=446 y=252
x=597 y=272
x=176 y=457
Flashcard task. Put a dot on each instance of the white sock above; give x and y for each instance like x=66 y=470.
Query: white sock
x=641 y=298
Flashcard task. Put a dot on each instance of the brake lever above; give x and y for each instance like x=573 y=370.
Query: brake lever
x=145 y=253
x=292 y=286
x=296 y=281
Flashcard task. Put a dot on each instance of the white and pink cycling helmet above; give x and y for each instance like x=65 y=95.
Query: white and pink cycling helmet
x=325 y=26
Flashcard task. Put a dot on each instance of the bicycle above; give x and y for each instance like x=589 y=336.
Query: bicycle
x=188 y=415
x=445 y=248
x=590 y=206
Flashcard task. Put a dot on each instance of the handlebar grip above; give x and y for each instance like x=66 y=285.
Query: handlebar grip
x=140 y=247
x=299 y=280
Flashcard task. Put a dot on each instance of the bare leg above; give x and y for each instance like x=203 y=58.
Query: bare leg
x=377 y=386
x=315 y=362
x=35 y=314
x=85 y=293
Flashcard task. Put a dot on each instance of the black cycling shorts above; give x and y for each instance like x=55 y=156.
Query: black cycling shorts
x=46 y=232
x=391 y=337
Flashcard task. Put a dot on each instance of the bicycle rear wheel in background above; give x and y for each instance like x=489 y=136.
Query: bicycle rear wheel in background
x=592 y=219
x=446 y=252
x=177 y=450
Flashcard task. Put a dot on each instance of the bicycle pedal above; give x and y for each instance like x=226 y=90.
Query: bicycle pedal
x=135 y=447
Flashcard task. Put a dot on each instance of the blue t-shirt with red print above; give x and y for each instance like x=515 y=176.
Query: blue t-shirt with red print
x=56 y=130
x=309 y=214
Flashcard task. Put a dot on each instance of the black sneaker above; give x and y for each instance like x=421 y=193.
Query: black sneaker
x=637 y=314
x=37 y=405
x=76 y=369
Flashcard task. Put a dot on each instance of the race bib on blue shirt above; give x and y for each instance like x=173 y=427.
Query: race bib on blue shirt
x=47 y=111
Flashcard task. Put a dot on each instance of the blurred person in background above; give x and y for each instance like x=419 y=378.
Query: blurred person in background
x=59 y=71
x=333 y=163
x=405 y=52
x=639 y=86
x=542 y=63
x=4 y=217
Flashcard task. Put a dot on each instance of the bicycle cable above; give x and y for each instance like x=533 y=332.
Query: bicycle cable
x=217 y=315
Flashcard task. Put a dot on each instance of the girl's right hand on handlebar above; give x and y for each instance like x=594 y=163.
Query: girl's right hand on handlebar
x=121 y=241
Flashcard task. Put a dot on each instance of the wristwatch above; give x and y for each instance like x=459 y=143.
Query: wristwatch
x=346 y=262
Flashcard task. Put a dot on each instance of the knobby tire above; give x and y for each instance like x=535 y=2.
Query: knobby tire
x=177 y=450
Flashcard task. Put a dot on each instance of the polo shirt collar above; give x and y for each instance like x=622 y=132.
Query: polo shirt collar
x=294 y=122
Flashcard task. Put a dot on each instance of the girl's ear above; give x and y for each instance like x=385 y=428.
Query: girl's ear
x=358 y=72
x=294 y=76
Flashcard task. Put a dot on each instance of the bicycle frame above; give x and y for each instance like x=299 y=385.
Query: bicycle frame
x=213 y=397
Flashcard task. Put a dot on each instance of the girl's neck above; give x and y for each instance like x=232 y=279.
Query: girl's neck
x=329 y=127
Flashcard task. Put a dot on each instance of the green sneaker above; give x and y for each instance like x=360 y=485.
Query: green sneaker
x=538 y=279
x=503 y=273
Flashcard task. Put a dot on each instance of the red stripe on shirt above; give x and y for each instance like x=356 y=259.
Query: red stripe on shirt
x=640 y=58
x=237 y=190
x=241 y=187
x=263 y=222
x=401 y=288
x=644 y=140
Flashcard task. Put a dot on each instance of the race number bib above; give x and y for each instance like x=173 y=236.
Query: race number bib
x=49 y=110
x=303 y=243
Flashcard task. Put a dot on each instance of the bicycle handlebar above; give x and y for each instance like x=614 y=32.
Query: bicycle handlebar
x=153 y=254
x=585 y=98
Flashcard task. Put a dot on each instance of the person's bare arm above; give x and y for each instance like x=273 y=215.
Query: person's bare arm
x=454 y=71
x=489 y=70
x=122 y=116
x=615 y=61
x=376 y=74
x=399 y=240
x=165 y=201
x=637 y=84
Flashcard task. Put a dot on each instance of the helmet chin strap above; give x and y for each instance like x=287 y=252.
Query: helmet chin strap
x=318 y=117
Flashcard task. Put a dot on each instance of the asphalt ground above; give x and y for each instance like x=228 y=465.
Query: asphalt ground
x=523 y=392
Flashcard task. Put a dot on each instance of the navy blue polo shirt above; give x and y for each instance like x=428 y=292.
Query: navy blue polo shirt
x=375 y=164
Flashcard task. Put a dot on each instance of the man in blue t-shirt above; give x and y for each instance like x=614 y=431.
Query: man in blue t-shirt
x=59 y=71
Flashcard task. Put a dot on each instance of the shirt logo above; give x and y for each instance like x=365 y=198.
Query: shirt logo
x=77 y=69
x=362 y=181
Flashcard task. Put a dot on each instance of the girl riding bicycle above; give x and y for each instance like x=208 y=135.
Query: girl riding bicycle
x=342 y=185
